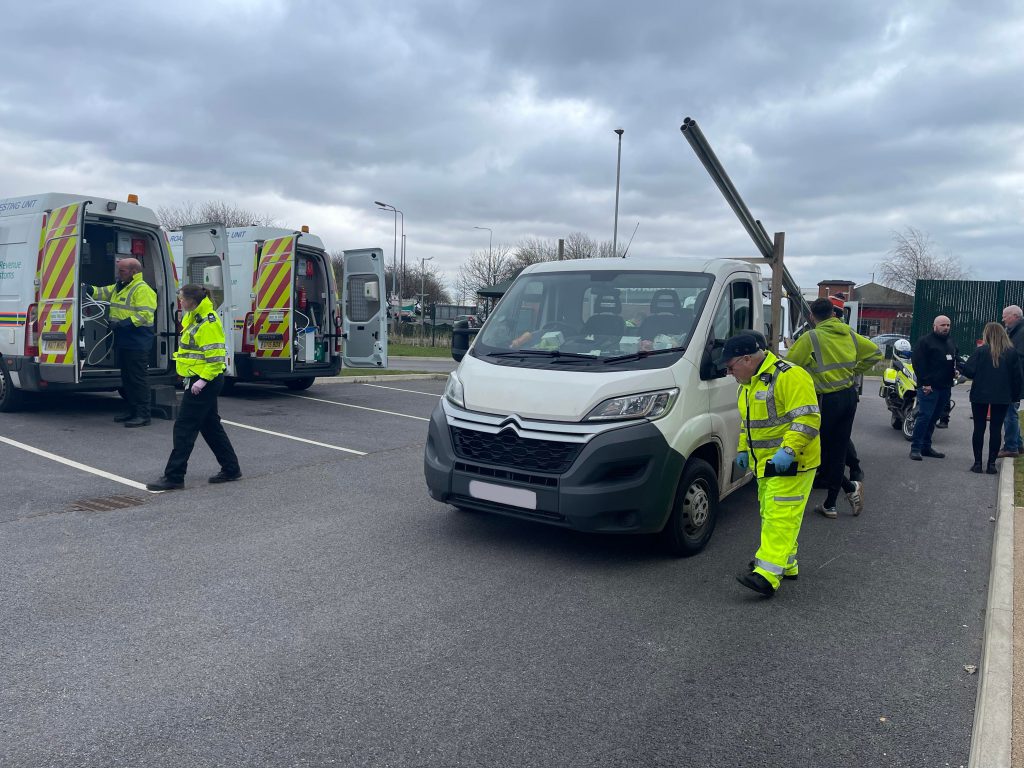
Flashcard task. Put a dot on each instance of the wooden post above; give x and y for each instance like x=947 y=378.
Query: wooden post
x=778 y=249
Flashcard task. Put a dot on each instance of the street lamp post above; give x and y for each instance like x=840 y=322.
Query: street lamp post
x=423 y=296
x=396 y=285
x=618 y=168
x=490 y=260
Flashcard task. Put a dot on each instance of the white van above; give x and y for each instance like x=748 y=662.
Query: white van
x=275 y=288
x=594 y=398
x=52 y=338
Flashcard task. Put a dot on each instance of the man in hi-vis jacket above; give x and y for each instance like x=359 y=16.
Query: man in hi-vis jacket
x=779 y=423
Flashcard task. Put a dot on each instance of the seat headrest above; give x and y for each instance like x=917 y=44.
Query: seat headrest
x=665 y=302
x=607 y=303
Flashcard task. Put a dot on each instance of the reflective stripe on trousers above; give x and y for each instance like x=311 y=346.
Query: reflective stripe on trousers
x=782 y=501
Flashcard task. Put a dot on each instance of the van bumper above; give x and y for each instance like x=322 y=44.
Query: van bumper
x=623 y=480
x=26 y=375
x=248 y=368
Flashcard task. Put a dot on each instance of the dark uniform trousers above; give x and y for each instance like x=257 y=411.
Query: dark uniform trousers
x=198 y=416
x=134 y=381
x=837 y=413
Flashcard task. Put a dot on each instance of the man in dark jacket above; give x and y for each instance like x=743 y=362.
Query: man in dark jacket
x=934 y=361
x=1012 y=319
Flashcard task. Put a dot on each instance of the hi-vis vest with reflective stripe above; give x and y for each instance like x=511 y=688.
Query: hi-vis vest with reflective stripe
x=779 y=407
x=135 y=301
x=833 y=354
x=201 y=349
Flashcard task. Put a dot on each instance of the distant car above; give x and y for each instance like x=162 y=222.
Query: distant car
x=884 y=341
x=471 y=319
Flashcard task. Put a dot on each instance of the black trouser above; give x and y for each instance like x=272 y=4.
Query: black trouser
x=134 y=381
x=837 y=412
x=979 y=412
x=851 y=458
x=198 y=416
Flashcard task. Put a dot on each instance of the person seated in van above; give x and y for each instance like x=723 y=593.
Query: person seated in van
x=132 y=317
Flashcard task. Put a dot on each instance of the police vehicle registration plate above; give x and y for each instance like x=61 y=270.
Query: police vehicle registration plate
x=271 y=344
x=55 y=346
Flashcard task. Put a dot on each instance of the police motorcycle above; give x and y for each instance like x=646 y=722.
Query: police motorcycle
x=899 y=389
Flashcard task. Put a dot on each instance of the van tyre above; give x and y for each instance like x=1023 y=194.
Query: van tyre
x=694 y=510
x=297 y=385
x=11 y=399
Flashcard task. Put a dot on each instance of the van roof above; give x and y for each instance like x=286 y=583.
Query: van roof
x=673 y=264
x=255 y=233
x=47 y=201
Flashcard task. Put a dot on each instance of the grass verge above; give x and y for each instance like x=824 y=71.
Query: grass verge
x=411 y=350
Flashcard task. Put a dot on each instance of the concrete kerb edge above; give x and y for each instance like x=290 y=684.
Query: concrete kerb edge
x=397 y=377
x=993 y=712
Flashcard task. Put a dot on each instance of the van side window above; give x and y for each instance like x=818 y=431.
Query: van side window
x=733 y=315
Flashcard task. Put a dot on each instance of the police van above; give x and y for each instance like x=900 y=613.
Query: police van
x=53 y=337
x=275 y=289
x=595 y=398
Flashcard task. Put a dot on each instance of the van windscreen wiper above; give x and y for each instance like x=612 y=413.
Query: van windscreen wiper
x=541 y=353
x=640 y=355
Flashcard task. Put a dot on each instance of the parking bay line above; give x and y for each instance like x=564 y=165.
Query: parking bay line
x=399 y=389
x=77 y=465
x=360 y=407
x=292 y=437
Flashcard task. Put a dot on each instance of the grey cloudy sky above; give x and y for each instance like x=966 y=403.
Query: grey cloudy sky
x=838 y=122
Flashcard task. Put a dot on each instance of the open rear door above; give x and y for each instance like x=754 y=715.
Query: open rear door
x=59 y=302
x=364 y=314
x=272 y=311
x=204 y=258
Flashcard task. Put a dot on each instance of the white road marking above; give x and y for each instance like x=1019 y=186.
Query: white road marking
x=360 y=407
x=77 y=465
x=399 y=389
x=292 y=437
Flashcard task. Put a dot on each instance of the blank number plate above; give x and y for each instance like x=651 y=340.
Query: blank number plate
x=502 y=494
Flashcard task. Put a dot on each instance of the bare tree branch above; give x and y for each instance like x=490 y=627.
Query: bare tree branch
x=216 y=211
x=912 y=258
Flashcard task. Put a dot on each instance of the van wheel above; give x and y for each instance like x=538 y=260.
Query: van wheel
x=297 y=385
x=11 y=399
x=694 y=510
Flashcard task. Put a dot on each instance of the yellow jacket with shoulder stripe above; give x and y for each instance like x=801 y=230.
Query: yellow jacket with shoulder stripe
x=202 y=350
x=833 y=353
x=779 y=408
x=132 y=311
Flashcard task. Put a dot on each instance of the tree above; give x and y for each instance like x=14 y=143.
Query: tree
x=215 y=211
x=912 y=258
x=485 y=268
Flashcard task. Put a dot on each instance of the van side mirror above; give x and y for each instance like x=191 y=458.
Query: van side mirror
x=711 y=365
x=462 y=337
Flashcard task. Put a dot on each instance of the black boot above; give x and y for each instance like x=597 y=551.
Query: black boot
x=976 y=467
x=991 y=468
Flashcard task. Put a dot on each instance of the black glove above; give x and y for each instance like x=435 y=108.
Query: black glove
x=87 y=289
x=123 y=323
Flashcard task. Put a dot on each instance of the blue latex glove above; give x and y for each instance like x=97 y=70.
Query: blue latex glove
x=743 y=461
x=782 y=460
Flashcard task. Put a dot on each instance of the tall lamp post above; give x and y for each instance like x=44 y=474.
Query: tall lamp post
x=423 y=296
x=618 y=168
x=396 y=285
x=490 y=262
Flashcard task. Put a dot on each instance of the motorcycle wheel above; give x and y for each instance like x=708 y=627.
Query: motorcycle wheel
x=908 y=425
x=897 y=422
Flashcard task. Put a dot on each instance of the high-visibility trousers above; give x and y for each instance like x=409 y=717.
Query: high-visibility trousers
x=782 y=501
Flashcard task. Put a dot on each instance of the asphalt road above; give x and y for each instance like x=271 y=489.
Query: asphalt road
x=325 y=611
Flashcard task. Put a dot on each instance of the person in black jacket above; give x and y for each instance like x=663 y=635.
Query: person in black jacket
x=995 y=369
x=1013 y=319
x=934 y=361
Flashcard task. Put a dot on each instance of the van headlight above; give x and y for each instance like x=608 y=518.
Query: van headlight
x=646 y=405
x=453 y=391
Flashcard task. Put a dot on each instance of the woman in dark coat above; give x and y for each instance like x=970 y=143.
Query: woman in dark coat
x=996 y=371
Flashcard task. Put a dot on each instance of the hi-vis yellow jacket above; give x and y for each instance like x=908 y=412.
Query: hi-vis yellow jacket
x=778 y=407
x=132 y=311
x=833 y=354
x=201 y=348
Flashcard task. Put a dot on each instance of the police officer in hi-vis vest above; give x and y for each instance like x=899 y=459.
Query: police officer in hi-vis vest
x=779 y=422
x=132 y=315
x=200 y=360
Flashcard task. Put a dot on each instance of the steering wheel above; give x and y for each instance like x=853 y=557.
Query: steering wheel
x=554 y=325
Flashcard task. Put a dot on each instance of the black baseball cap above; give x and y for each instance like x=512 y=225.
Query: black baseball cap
x=737 y=346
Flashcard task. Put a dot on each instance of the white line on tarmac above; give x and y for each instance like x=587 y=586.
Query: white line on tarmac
x=399 y=389
x=77 y=465
x=347 y=405
x=292 y=437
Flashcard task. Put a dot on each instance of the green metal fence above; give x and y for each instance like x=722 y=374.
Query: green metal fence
x=969 y=304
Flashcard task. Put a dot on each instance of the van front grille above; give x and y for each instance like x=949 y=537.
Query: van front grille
x=507 y=449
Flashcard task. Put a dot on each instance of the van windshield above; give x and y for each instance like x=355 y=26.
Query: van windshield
x=590 y=318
